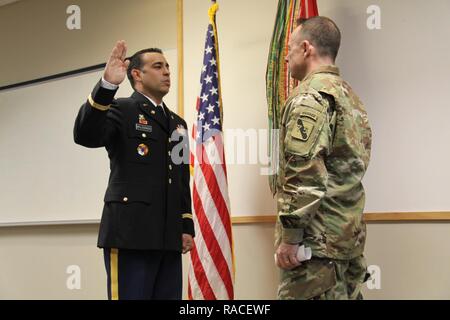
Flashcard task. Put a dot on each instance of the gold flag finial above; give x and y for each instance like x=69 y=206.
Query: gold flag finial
x=212 y=10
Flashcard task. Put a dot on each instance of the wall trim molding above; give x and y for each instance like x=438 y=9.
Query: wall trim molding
x=390 y=217
x=431 y=216
x=381 y=217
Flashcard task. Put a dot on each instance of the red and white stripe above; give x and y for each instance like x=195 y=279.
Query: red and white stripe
x=211 y=272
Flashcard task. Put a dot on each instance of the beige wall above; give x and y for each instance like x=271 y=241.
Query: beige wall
x=37 y=43
x=34 y=261
x=413 y=258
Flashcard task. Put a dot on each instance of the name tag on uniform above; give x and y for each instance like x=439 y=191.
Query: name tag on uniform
x=143 y=127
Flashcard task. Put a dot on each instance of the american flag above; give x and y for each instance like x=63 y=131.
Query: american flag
x=211 y=271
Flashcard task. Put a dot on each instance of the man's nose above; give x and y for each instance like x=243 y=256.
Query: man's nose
x=166 y=71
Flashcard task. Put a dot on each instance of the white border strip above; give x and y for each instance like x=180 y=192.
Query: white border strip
x=49 y=223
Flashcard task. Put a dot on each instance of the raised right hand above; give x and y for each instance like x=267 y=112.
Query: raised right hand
x=116 y=68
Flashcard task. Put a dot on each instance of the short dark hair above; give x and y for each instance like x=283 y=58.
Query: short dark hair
x=323 y=33
x=136 y=62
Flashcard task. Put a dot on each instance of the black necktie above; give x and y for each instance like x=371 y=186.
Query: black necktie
x=164 y=115
x=161 y=109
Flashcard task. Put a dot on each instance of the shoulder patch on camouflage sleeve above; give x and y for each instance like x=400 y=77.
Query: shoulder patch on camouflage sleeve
x=302 y=129
x=306 y=120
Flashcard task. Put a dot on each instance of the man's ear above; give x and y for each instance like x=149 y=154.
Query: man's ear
x=306 y=48
x=136 y=74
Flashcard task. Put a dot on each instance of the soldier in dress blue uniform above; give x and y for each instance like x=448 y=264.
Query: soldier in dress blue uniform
x=147 y=219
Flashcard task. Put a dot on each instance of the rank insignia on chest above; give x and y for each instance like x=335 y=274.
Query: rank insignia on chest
x=142 y=119
x=143 y=124
x=142 y=149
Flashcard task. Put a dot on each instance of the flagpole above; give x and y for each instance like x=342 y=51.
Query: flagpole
x=180 y=57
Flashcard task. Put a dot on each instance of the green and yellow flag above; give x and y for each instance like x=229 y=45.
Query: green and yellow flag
x=279 y=83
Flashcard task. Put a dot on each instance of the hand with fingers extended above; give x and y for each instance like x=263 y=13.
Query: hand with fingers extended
x=116 y=67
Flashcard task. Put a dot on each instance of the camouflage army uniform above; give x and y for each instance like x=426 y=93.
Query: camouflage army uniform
x=325 y=142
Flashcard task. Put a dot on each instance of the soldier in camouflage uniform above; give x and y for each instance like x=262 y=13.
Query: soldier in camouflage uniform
x=325 y=142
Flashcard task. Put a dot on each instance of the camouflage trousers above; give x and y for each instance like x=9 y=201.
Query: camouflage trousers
x=323 y=279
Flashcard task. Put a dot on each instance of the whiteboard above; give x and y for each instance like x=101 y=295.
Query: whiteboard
x=45 y=177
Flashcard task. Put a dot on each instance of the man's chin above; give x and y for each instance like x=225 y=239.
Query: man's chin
x=165 y=90
x=298 y=76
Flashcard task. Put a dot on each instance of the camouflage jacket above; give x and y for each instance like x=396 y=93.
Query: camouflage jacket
x=325 y=141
